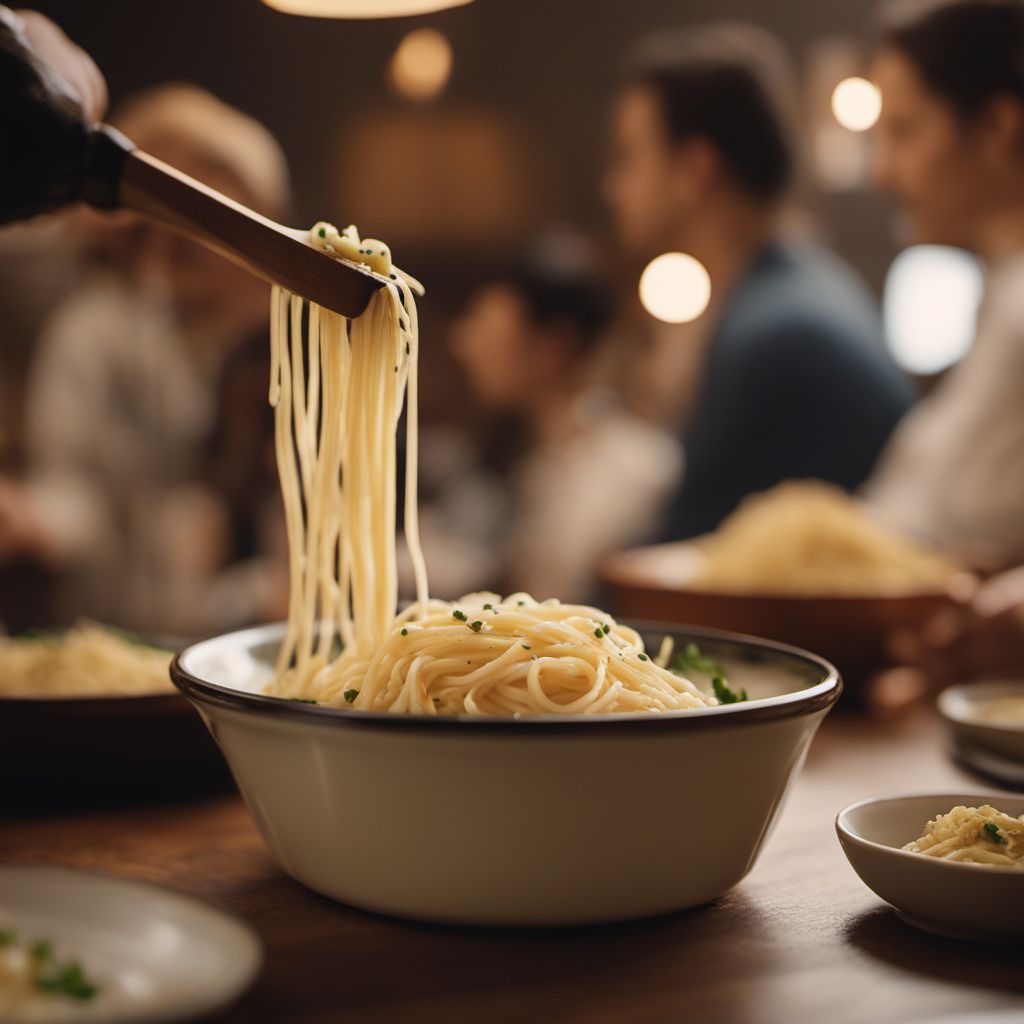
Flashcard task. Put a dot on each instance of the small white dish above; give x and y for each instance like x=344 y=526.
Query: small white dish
x=961 y=707
x=963 y=901
x=155 y=954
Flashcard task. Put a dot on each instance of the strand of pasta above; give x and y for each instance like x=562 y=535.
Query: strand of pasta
x=338 y=387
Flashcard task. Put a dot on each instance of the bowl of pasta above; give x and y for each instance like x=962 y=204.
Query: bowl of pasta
x=114 y=726
x=947 y=862
x=804 y=563
x=524 y=818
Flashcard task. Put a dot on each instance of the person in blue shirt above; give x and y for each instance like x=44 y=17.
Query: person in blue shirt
x=795 y=381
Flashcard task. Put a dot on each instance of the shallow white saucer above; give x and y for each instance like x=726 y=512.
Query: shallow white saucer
x=155 y=954
x=960 y=707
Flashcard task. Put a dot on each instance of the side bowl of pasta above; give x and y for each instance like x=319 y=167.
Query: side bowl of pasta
x=949 y=863
x=531 y=819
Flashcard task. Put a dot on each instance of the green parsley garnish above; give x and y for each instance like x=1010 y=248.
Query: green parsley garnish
x=725 y=694
x=322 y=232
x=41 y=949
x=992 y=831
x=643 y=657
x=66 y=980
x=691 y=657
x=476 y=625
x=521 y=603
x=405 y=632
x=461 y=616
x=599 y=633
x=350 y=695
x=488 y=607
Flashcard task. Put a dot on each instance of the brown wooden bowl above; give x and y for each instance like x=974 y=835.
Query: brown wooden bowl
x=851 y=632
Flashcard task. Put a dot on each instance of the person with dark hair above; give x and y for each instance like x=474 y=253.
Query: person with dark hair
x=794 y=381
x=587 y=477
x=950 y=148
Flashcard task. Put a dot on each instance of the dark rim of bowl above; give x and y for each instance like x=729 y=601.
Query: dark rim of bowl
x=820 y=696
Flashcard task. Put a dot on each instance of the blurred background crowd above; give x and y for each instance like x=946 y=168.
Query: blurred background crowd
x=670 y=262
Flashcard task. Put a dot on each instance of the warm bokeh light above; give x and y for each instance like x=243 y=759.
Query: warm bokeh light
x=362 y=8
x=421 y=66
x=930 y=305
x=675 y=288
x=856 y=104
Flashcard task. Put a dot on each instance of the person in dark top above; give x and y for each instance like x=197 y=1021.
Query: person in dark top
x=795 y=379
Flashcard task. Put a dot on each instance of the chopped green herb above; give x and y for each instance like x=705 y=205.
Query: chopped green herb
x=7 y=938
x=41 y=949
x=350 y=695
x=36 y=634
x=476 y=625
x=599 y=633
x=725 y=694
x=405 y=632
x=994 y=835
x=691 y=657
x=606 y=629
x=66 y=980
x=521 y=603
x=643 y=657
x=322 y=232
x=461 y=616
x=488 y=607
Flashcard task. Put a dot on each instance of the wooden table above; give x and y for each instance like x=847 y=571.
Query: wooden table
x=800 y=940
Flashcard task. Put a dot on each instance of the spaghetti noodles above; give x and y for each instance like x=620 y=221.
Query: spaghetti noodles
x=338 y=387
x=87 y=661
x=974 y=835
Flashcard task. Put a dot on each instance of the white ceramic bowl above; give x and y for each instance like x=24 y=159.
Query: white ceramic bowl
x=960 y=705
x=548 y=820
x=964 y=901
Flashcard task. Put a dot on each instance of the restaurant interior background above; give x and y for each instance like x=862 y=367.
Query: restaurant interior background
x=462 y=165
x=512 y=142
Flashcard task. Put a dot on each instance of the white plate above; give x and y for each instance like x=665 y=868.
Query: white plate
x=964 y=901
x=959 y=706
x=155 y=954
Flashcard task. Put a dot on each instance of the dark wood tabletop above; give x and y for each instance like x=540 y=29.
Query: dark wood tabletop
x=801 y=939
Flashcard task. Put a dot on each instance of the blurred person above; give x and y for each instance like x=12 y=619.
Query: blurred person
x=122 y=394
x=794 y=381
x=36 y=61
x=588 y=477
x=950 y=149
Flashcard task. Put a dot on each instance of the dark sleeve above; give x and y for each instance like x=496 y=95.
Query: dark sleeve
x=796 y=399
